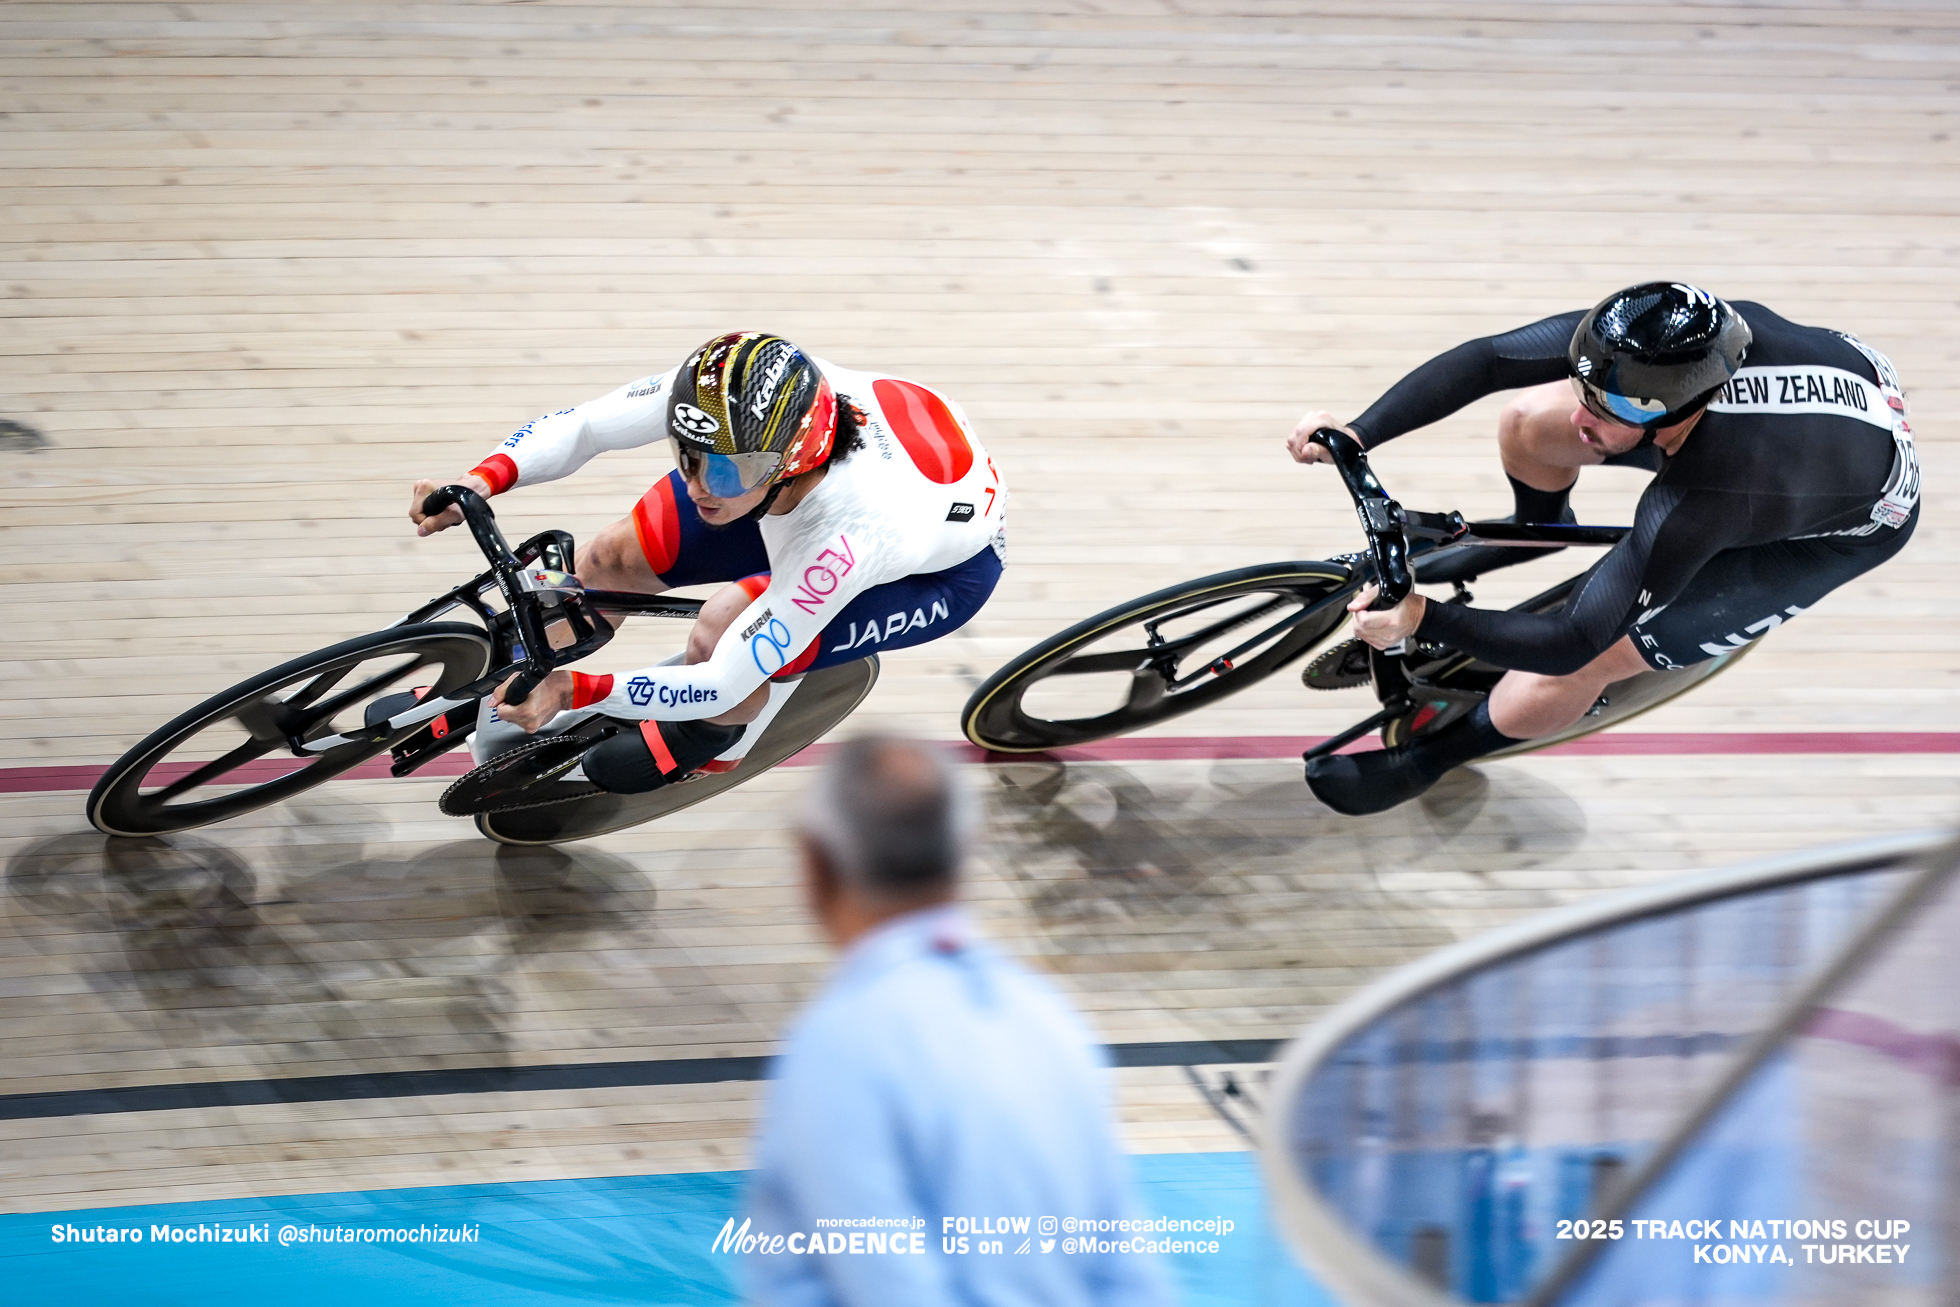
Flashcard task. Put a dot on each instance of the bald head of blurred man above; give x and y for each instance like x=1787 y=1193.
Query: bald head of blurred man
x=883 y=832
x=931 y=1073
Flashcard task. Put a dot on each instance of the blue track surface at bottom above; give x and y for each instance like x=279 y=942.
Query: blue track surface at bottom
x=639 y=1239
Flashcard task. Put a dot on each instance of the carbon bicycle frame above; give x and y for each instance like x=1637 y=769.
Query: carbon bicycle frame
x=1391 y=559
x=538 y=589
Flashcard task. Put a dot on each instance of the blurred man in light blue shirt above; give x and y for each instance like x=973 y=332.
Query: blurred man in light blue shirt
x=938 y=1100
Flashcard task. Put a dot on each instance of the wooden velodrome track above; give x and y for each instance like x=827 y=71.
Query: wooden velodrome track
x=266 y=263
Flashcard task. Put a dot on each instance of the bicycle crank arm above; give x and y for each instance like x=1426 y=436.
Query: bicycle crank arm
x=1335 y=743
x=1444 y=694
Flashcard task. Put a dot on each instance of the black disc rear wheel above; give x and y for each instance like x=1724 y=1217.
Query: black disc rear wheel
x=1157 y=657
x=231 y=754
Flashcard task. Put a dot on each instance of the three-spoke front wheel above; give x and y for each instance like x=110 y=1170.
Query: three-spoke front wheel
x=232 y=753
x=1159 y=656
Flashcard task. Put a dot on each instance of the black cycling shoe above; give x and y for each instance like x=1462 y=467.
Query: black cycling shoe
x=1357 y=784
x=1360 y=783
x=1469 y=562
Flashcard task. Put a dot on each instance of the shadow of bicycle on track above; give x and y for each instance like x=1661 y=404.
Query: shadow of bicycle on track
x=307 y=959
x=1233 y=865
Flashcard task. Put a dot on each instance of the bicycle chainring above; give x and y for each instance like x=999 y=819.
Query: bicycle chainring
x=1340 y=668
x=523 y=777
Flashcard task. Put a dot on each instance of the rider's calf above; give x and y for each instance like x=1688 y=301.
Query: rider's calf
x=656 y=754
x=1525 y=705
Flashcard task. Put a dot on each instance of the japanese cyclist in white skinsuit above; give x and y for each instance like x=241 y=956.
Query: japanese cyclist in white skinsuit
x=849 y=513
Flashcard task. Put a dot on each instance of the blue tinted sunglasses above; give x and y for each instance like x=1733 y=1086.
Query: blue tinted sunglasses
x=725 y=476
x=1625 y=410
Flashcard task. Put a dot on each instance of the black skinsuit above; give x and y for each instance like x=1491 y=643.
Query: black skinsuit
x=1767 y=508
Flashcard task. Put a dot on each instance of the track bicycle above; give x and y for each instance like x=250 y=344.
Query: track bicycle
x=412 y=689
x=1179 y=649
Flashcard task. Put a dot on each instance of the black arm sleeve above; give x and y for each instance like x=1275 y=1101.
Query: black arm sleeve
x=1529 y=356
x=1673 y=537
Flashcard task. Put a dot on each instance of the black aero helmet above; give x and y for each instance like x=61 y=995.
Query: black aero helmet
x=749 y=409
x=1650 y=355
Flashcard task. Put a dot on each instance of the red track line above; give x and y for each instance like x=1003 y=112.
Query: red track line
x=35 y=780
x=1610 y=743
x=40 y=780
x=1929 y=1053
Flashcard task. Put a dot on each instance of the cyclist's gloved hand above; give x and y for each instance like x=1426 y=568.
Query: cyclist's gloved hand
x=1298 y=446
x=448 y=517
x=1389 y=626
x=547 y=699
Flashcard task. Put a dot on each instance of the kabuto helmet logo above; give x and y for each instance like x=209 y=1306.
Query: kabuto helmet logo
x=691 y=421
x=772 y=375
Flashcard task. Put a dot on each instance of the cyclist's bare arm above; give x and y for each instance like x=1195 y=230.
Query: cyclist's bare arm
x=1529 y=356
x=558 y=444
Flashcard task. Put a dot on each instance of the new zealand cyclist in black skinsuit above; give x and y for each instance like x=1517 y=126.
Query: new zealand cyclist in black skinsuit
x=1780 y=476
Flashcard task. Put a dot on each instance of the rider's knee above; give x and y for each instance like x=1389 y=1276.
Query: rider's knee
x=722 y=608
x=746 y=711
x=701 y=642
x=1511 y=424
x=1535 y=426
x=1621 y=660
x=612 y=560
